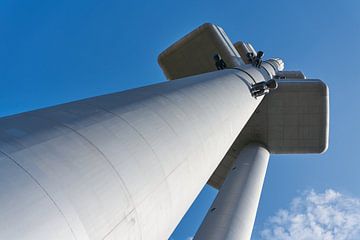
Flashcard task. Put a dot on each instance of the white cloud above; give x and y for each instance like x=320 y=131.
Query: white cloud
x=316 y=216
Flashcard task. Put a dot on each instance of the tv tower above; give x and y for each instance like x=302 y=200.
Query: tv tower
x=128 y=165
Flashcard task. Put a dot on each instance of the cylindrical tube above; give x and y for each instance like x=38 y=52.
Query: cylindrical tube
x=232 y=214
x=126 y=165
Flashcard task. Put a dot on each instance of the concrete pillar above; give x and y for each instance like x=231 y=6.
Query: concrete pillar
x=126 y=165
x=232 y=214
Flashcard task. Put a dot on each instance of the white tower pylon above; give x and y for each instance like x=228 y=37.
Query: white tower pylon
x=128 y=165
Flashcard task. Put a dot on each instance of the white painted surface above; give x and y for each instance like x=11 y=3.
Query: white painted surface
x=121 y=166
x=232 y=214
x=294 y=119
x=194 y=53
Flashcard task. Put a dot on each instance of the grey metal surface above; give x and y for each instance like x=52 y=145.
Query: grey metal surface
x=244 y=49
x=290 y=75
x=232 y=214
x=292 y=119
x=120 y=166
x=128 y=165
x=193 y=54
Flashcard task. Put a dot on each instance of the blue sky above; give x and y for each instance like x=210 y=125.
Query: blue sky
x=58 y=51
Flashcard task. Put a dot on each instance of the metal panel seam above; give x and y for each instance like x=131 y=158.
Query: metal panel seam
x=175 y=104
x=264 y=68
x=107 y=160
x=243 y=79
x=244 y=71
x=43 y=189
x=271 y=65
x=156 y=156
x=116 y=225
x=165 y=176
x=131 y=126
x=163 y=119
